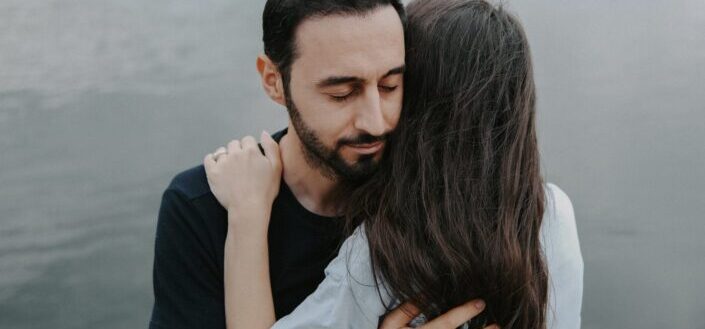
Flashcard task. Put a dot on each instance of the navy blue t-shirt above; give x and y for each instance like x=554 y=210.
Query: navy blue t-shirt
x=189 y=251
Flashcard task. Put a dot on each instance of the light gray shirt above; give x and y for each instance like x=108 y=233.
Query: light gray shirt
x=348 y=297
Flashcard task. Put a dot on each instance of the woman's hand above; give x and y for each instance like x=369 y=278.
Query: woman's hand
x=244 y=181
x=400 y=317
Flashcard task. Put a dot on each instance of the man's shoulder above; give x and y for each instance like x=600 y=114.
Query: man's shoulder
x=192 y=183
x=188 y=197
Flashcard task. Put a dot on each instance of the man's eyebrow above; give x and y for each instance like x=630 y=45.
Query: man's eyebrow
x=396 y=70
x=334 y=81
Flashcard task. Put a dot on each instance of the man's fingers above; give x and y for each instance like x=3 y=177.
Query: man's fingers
x=271 y=150
x=400 y=316
x=457 y=316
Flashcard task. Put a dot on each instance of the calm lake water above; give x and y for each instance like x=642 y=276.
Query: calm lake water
x=102 y=102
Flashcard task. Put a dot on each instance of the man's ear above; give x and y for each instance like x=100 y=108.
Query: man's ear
x=271 y=79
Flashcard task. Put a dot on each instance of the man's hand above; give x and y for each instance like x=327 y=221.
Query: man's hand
x=400 y=317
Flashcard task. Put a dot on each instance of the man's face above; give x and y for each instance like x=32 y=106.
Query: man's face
x=345 y=92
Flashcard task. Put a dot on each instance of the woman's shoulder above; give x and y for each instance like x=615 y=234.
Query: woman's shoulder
x=559 y=232
x=561 y=247
x=558 y=203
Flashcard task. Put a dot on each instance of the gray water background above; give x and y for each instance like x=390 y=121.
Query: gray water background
x=103 y=101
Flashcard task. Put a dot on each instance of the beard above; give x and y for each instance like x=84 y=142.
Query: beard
x=329 y=160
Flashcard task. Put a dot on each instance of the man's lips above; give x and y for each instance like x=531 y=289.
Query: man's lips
x=369 y=148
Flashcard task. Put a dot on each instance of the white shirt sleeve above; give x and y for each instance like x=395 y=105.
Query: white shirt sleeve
x=559 y=238
x=348 y=297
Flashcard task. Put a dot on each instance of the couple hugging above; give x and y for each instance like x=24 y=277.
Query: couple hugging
x=406 y=190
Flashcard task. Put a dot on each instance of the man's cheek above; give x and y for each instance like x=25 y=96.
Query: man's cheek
x=392 y=117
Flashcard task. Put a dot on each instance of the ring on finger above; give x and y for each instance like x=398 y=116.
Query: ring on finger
x=218 y=153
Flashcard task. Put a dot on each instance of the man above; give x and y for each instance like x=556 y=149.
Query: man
x=337 y=66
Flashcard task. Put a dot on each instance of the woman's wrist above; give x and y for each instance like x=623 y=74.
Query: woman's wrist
x=251 y=221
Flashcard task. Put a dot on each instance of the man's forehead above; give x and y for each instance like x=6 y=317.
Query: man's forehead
x=343 y=45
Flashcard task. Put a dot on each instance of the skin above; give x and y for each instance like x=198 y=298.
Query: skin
x=346 y=83
x=328 y=48
x=248 y=295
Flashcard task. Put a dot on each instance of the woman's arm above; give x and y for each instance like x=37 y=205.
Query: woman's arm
x=559 y=239
x=248 y=292
x=245 y=182
x=348 y=298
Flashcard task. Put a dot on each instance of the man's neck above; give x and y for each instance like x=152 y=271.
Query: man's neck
x=310 y=187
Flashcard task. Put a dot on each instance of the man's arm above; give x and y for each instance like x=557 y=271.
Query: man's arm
x=188 y=289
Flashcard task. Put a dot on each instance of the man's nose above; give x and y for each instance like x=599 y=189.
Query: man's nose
x=370 y=118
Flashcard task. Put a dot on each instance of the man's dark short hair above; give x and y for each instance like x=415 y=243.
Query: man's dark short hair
x=281 y=18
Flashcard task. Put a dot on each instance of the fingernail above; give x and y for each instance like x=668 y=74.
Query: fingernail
x=479 y=304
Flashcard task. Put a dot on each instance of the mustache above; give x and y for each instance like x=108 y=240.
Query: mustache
x=362 y=139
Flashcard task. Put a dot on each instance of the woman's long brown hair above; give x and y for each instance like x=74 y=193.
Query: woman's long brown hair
x=454 y=212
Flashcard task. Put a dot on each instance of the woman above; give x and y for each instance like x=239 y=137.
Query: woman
x=458 y=209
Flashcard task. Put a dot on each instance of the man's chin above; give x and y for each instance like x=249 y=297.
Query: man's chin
x=362 y=161
x=360 y=170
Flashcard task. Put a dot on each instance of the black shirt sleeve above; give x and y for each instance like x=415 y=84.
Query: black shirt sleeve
x=188 y=287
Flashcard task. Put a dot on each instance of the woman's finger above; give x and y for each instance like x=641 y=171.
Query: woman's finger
x=209 y=162
x=400 y=316
x=219 y=152
x=271 y=150
x=249 y=144
x=457 y=316
x=234 y=146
